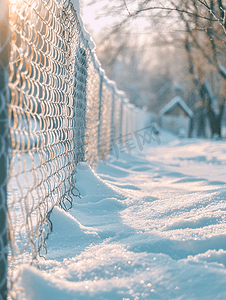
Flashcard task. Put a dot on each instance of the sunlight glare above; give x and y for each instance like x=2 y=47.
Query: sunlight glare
x=89 y=16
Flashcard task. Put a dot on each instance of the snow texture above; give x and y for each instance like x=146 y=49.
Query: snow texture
x=150 y=225
x=174 y=102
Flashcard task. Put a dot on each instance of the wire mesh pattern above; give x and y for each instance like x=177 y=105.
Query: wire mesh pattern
x=47 y=117
x=62 y=110
x=105 y=128
x=92 y=114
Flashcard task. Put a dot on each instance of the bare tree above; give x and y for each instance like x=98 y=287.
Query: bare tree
x=205 y=44
x=198 y=25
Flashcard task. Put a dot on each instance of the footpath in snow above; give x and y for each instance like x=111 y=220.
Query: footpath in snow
x=150 y=225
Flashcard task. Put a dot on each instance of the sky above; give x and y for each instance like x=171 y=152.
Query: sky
x=94 y=23
x=89 y=16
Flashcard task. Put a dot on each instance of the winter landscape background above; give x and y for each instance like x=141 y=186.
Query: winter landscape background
x=150 y=219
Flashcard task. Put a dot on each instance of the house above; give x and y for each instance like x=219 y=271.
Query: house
x=176 y=117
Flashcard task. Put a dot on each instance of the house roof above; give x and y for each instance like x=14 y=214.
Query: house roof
x=173 y=103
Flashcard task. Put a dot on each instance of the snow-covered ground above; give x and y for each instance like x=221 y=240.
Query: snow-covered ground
x=150 y=225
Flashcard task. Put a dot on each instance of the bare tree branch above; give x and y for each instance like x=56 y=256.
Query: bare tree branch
x=126 y=7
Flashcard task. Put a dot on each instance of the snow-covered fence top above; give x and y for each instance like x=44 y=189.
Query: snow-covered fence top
x=62 y=109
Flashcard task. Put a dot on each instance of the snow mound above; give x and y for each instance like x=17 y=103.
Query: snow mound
x=150 y=225
x=91 y=187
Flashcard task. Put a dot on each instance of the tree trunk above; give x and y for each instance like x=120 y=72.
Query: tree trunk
x=201 y=123
x=215 y=120
x=191 y=127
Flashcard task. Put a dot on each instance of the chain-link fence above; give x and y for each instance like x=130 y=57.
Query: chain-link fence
x=61 y=109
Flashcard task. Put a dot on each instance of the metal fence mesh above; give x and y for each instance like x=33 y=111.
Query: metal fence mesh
x=92 y=114
x=62 y=110
x=48 y=74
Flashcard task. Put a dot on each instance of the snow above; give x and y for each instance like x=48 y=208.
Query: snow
x=150 y=225
x=174 y=102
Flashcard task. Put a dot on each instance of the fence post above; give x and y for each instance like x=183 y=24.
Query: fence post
x=80 y=108
x=121 y=122
x=100 y=113
x=4 y=97
x=112 y=118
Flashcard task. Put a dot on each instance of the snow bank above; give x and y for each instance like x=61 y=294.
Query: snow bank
x=150 y=225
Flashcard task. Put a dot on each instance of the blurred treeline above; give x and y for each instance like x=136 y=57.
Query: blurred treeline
x=155 y=50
